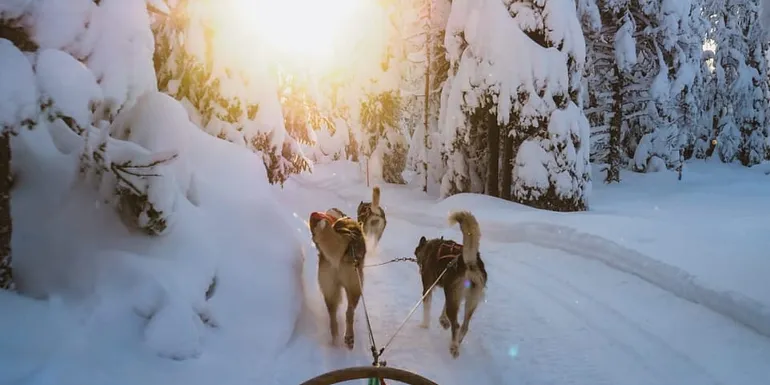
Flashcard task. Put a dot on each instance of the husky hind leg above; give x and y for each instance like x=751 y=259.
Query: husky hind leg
x=353 y=291
x=332 y=293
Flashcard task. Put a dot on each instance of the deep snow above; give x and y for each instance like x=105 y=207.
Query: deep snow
x=554 y=313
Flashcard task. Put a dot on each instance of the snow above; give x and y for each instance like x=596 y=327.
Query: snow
x=501 y=43
x=595 y=297
x=159 y=124
x=589 y=297
x=59 y=23
x=12 y=9
x=661 y=282
x=330 y=146
x=625 y=45
x=110 y=278
x=765 y=14
x=565 y=158
x=58 y=74
x=18 y=98
x=485 y=41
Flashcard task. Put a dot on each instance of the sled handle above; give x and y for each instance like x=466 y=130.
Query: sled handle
x=363 y=372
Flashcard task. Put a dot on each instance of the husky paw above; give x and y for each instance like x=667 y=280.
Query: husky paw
x=444 y=321
x=425 y=325
x=454 y=350
x=349 y=342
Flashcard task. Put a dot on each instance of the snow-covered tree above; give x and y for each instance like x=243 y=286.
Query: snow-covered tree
x=234 y=100
x=534 y=103
x=424 y=78
x=755 y=121
x=383 y=141
x=740 y=81
x=645 y=81
x=611 y=50
x=330 y=118
x=73 y=74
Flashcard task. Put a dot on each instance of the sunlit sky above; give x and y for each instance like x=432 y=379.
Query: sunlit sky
x=304 y=31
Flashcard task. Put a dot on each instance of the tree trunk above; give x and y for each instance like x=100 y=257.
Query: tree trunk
x=428 y=42
x=613 y=156
x=507 y=171
x=6 y=273
x=493 y=144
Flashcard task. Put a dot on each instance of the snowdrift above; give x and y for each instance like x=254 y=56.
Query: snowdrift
x=100 y=285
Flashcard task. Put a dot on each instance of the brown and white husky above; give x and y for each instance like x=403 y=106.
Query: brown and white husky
x=341 y=251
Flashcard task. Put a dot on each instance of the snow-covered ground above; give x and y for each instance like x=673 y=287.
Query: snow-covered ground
x=573 y=298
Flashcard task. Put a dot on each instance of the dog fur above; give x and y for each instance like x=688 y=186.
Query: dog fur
x=466 y=279
x=372 y=216
x=341 y=250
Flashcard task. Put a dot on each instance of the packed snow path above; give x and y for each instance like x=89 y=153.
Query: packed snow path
x=551 y=317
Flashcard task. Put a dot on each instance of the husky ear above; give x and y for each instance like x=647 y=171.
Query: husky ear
x=423 y=240
x=321 y=224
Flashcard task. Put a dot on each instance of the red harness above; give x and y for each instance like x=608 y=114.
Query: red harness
x=320 y=215
x=452 y=250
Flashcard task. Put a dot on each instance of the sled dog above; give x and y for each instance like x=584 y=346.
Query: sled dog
x=465 y=279
x=372 y=216
x=341 y=250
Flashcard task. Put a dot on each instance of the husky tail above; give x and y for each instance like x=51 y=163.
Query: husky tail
x=471 y=237
x=375 y=197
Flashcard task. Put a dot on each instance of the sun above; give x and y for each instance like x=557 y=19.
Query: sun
x=299 y=29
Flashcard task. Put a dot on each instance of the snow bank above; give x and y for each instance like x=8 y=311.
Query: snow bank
x=34 y=333
x=90 y=259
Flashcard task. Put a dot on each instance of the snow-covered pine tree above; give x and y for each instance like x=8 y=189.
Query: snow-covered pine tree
x=462 y=174
x=238 y=103
x=754 y=117
x=536 y=102
x=596 y=96
x=676 y=32
x=611 y=51
x=298 y=106
x=384 y=143
x=695 y=101
x=732 y=77
x=332 y=121
x=426 y=74
x=645 y=81
x=556 y=138
x=417 y=40
x=54 y=87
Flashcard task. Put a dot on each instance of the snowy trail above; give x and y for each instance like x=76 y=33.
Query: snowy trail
x=550 y=316
x=737 y=306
